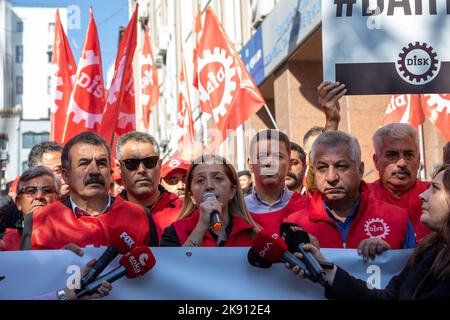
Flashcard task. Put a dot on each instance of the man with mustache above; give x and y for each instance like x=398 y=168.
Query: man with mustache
x=140 y=169
x=397 y=160
x=294 y=179
x=36 y=188
x=89 y=216
x=342 y=214
x=271 y=201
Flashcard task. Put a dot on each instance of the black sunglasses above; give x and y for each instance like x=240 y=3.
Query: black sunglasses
x=133 y=164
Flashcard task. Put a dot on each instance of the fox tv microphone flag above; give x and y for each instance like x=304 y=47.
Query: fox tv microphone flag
x=225 y=86
x=119 y=116
x=87 y=101
x=63 y=79
x=149 y=80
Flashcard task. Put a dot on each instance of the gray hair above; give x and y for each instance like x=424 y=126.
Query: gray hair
x=136 y=136
x=338 y=139
x=395 y=131
x=34 y=173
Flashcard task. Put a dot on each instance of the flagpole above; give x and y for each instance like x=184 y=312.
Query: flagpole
x=422 y=153
x=271 y=117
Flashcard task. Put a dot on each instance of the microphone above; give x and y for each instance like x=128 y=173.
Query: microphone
x=271 y=248
x=133 y=264
x=214 y=220
x=255 y=260
x=121 y=243
x=296 y=238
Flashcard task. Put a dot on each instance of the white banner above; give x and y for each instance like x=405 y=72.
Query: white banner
x=188 y=274
x=387 y=46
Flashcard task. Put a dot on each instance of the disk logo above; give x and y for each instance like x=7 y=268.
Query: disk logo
x=418 y=64
x=376 y=228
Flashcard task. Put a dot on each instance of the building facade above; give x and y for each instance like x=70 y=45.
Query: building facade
x=27 y=77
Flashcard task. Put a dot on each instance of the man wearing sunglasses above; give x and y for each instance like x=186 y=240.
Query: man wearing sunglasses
x=90 y=215
x=36 y=188
x=140 y=168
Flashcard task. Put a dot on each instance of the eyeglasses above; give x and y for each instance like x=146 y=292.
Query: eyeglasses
x=31 y=191
x=133 y=164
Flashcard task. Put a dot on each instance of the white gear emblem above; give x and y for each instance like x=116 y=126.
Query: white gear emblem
x=125 y=118
x=219 y=55
x=438 y=103
x=89 y=118
x=174 y=163
x=376 y=228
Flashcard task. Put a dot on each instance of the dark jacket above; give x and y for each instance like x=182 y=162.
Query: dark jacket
x=415 y=283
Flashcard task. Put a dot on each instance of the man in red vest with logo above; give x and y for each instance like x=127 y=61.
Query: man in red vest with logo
x=89 y=216
x=342 y=213
x=271 y=201
x=140 y=168
x=397 y=160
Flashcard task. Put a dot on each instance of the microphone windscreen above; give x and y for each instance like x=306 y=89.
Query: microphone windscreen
x=137 y=262
x=255 y=260
x=208 y=195
x=293 y=234
x=122 y=240
x=269 y=246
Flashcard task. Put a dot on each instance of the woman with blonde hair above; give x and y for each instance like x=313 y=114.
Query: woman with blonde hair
x=215 y=177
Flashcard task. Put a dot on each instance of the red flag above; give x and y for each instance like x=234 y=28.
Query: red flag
x=65 y=71
x=119 y=114
x=149 y=80
x=197 y=29
x=405 y=108
x=225 y=86
x=185 y=123
x=437 y=108
x=87 y=100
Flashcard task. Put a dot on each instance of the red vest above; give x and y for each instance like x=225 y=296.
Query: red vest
x=166 y=217
x=409 y=201
x=11 y=240
x=55 y=225
x=374 y=219
x=271 y=221
x=240 y=235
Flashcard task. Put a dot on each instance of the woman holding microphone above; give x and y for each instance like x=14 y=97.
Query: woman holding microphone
x=427 y=274
x=214 y=212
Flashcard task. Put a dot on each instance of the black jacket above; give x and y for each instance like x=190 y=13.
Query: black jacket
x=411 y=284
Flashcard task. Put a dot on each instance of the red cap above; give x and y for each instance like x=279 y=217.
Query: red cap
x=174 y=164
x=137 y=262
x=269 y=247
x=122 y=241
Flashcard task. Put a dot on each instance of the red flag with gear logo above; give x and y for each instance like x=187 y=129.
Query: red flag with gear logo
x=185 y=123
x=405 y=108
x=65 y=71
x=87 y=101
x=197 y=30
x=119 y=115
x=225 y=86
x=437 y=108
x=149 y=80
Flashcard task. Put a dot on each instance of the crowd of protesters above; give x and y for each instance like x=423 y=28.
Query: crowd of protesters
x=70 y=198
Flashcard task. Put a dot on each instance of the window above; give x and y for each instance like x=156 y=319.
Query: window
x=30 y=139
x=3 y=143
x=50 y=53
x=19 y=54
x=19 y=26
x=19 y=85
x=49 y=85
x=51 y=27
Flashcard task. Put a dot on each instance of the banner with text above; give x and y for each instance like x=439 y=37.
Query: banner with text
x=387 y=46
x=188 y=274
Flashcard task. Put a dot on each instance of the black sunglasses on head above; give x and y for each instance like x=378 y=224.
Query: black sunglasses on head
x=133 y=164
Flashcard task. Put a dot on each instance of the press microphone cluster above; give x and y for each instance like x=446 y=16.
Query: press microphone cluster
x=122 y=243
x=133 y=264
x=295 y=238
x=214 y=220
